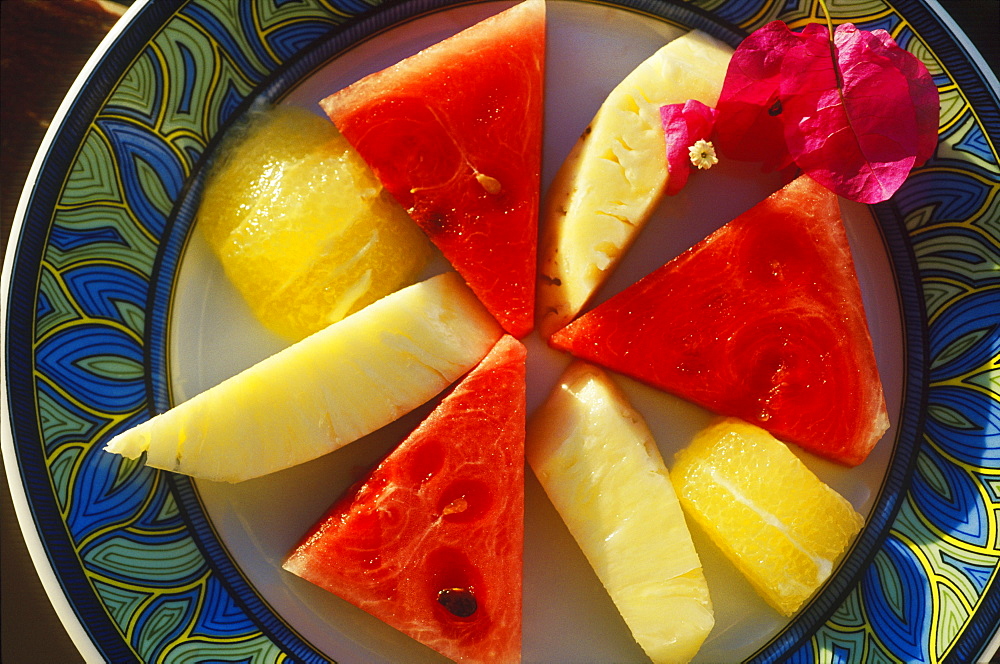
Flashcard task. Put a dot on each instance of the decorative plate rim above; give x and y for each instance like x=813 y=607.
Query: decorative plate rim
x=150 y=15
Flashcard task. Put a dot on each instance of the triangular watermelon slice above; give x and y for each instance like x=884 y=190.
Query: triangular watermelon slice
x=762 y=320
x=431 y=542
x=455 y=134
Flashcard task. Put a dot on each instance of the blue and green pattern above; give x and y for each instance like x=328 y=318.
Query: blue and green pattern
x=91 y=288
x=927 y=584
x=102 y=233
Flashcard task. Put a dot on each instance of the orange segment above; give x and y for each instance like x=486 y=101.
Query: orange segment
x=782 y=527
x=303 y=228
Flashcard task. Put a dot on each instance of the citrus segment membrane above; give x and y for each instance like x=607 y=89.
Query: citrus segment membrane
x=303 y=229
x=778 y=523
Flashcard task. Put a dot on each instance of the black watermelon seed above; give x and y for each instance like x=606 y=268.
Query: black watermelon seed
x=459 y=602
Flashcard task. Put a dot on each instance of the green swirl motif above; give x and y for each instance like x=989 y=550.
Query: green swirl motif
x=929 y=593
x=160 y=596
x=96 y=263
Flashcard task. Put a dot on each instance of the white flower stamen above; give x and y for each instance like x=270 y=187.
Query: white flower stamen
x=702 y=154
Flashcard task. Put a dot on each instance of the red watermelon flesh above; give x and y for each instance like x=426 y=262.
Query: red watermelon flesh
x=455 y=134
x=762 y=320
x=431 y=541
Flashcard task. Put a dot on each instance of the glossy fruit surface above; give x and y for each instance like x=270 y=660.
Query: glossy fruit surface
x=616 y=173
x=598 y=463
x=325 y=391
x=303 y=229
x=455 y=134
x=772 y=517
x=431 y=541
x=762 y=320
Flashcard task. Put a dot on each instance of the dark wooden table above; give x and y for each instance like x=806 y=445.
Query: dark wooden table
x=44 y=45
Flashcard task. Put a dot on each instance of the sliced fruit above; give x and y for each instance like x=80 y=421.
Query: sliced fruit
x=431 y=541
x=782 y=527
x=303 y=229
x=325 y=391
x=598 y=463
x=455 y=133
x=616 y=173
x=762 y=320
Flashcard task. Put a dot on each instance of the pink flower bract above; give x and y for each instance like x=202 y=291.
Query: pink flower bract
x=856 y=115
x=683 y=125
x=750 y=125
x=849 y=122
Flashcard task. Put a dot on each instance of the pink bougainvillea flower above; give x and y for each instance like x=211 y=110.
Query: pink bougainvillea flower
x=855 y=112
x=849 y=120
x=923 y=93
x=684 y=125
x=750 y=126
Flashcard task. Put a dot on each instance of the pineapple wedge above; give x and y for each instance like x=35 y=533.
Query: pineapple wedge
x=616 y=173
x=598 y=463
x=325 y=391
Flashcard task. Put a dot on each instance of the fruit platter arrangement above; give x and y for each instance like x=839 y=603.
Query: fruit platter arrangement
x=545 y=331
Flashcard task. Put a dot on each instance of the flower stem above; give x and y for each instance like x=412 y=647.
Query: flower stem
x=833 y=46
x=829 y=23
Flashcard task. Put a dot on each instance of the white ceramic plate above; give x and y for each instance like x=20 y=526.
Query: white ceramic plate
x=114 y=308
